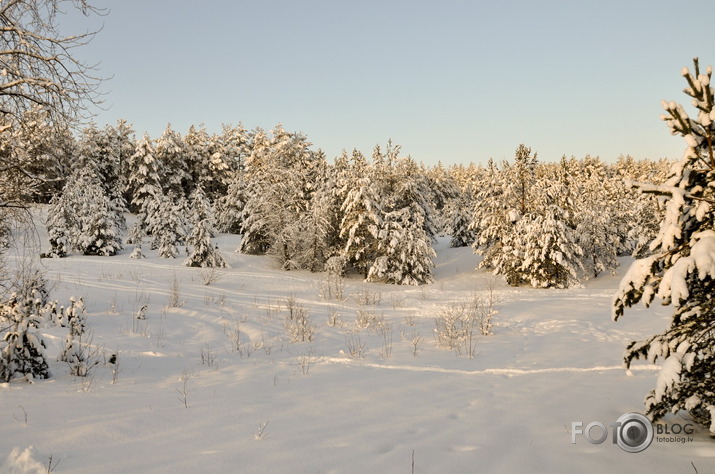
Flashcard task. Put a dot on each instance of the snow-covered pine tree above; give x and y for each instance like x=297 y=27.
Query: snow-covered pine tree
x=550 y=257
x=254 y=225
x=362 y=221
x=198 y=147
x=136 y=234
x=404 y=249
x=594 y=217
x=494 y=224
x=490 y=222
x=404 y=252
x=229 y=208
x=122 y=142
x=22 y=347
x=443 y=190
x=459 y=215
x=145 y=178
x=202 y=252
x=307 y=239
x=96 y=230
x=644 y=230
x=681 y=270
x=58 y=226
x=171 y=153
x=166 y=224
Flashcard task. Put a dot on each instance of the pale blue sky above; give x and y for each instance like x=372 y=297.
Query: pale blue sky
x=455 y=81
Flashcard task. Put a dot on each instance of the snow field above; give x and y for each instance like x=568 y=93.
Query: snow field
x=215 y=385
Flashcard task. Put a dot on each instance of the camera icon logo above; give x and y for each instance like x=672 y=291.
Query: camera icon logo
x=634 y=432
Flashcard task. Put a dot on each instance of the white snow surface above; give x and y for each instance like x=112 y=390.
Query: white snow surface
x=554 y=359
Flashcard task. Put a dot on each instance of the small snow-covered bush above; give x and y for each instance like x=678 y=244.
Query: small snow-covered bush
x=297 y=323
x=452 y=326
x=459 y=323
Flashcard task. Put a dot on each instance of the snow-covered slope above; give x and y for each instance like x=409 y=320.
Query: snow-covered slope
x=215 y=385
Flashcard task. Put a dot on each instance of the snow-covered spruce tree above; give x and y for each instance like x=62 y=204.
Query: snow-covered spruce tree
x=229 y=207
x=58 y=227
x=681 y=270
x=491 y=221
x=96 y=229
x=202 y=252
x=122 y=142
x=506 y=196
x=171 y=152
x=459 y=215
x=404 y=252
x=404 y=249
x=593 y=218
x=361 y=223
x=199 y=148
x=22 y=347
x=166 y=224
x=549 y=256
x=145 y=178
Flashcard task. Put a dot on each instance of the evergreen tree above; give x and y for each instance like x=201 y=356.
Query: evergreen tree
x=404 y=248
x=202 y=253
x=96 y=231
x=145 y=178
x=493 y=223
x=122 y=142
x=198 y=146
x=404 y=252
x=681 y=269
x=74 y=351
x=229 y=208
x=550 y=257
x=58 y=227
x=166 y=224
x=22 y=347
x=361 y=223
x=460 y=218
x=171 y=153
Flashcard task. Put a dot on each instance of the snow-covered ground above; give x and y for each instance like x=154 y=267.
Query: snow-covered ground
x=260 y=403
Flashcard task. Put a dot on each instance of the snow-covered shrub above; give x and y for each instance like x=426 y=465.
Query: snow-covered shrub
x=297 y=322
x=332 y=288
x=454 y=328
x=681 y=268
